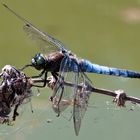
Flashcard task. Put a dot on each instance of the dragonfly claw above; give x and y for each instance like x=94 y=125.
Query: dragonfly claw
x=120 y=98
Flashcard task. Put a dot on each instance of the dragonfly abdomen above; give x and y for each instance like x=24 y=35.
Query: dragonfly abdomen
x=87 y=66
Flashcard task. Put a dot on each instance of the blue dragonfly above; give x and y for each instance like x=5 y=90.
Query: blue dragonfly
x=65 y=66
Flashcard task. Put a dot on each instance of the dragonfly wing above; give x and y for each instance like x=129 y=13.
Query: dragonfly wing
x=63 y=95
x=81 y=99
x=72 y=95
x=43 y=40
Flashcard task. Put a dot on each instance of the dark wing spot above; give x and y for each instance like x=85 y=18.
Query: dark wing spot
x=27 y=25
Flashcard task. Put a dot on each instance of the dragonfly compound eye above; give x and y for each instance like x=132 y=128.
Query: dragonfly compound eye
x=39 y=61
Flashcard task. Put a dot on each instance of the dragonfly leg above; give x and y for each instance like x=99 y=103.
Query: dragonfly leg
x=28 y=65
x=45 y=80
x=38 y=76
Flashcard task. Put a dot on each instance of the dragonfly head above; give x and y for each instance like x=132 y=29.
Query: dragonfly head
x=39 y=61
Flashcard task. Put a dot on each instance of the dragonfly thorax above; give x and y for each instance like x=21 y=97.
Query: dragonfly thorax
x=50 y=63
x=39 y=61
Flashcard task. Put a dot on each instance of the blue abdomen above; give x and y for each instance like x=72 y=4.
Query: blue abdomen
x=87 y=66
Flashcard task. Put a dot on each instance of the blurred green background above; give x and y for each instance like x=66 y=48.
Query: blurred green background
x=105 y=32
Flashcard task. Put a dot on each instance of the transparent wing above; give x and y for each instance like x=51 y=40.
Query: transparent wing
x=81 y=99
x=72 y=95
x=63 y=95
x=43 y=39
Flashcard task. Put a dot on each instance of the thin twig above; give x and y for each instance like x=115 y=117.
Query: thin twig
x=97 y=90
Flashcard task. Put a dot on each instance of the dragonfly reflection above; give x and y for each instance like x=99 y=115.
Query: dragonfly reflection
x=65 y=66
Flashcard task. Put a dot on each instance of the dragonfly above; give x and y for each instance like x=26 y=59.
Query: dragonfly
x=66 y=66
